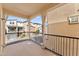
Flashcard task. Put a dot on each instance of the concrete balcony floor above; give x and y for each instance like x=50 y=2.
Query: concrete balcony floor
x=26 y=48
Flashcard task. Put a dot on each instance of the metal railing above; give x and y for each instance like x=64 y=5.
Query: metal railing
x=64 y=45
x=16 y=36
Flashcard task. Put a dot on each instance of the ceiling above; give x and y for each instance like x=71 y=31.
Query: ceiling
x=27 y=9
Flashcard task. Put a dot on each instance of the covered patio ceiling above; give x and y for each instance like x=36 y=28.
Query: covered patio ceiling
x=26 y=9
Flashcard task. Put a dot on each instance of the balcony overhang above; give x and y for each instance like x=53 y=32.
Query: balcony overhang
x=26 y=10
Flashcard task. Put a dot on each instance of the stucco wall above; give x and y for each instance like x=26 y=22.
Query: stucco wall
x=58 y=23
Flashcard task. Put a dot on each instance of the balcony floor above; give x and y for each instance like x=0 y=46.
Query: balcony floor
x=26 y=48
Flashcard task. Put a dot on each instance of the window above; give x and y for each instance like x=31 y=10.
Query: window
x=11 y=22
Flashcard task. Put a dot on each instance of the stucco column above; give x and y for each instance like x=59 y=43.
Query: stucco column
x=29 y=27
x=43 y=21
x=43 y=26
x=2 y=29
x=2 y=32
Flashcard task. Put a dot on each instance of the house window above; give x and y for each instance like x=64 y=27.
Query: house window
x=11 y=22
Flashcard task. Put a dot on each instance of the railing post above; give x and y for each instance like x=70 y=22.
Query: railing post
x=77 y=47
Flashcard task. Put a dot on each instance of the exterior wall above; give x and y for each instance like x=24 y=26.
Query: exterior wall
x=63 y=28
x=58 y=24
x=61 y=13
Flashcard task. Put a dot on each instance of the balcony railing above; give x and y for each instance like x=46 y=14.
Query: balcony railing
x=64 y=45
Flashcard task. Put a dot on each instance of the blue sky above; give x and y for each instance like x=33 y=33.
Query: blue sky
x=13 y=18
x=38 y=19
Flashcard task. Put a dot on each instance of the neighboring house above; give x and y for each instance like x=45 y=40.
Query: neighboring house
x=35 y=27
x=11 y=26
x=23 y=25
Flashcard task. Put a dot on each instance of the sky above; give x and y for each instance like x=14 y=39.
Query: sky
x=38 y=19
x=13 y=18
